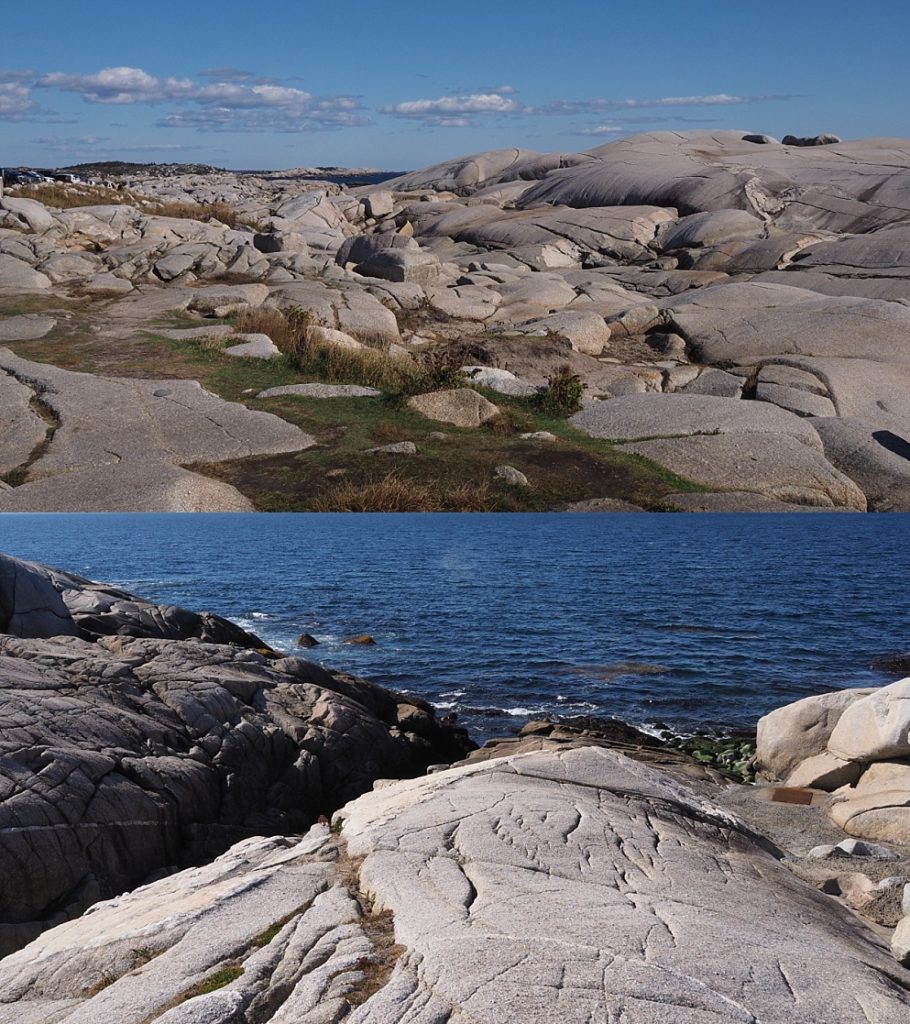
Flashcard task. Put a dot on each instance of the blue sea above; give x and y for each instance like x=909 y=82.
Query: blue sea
x=690 y=621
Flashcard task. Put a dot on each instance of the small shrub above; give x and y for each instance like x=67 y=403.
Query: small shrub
x=562 y=394
x=274 y=323
x=508 y=422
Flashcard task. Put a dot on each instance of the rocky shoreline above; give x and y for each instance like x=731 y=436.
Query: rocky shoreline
x=309 y=847
x=732 y=308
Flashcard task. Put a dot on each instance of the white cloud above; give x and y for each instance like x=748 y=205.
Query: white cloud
x=118 y=85
x=226 y=99
x=456 y=111
x=15 y=101
x=720 y=99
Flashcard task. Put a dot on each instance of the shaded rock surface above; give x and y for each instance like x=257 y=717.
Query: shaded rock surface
x=37 y=602
x=124 y=752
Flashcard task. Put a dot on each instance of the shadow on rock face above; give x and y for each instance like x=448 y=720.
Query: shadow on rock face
x=893 y=443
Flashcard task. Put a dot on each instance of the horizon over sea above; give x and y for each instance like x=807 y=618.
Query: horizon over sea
x=695 y=622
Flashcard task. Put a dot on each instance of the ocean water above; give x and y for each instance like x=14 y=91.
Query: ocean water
x=694 y=621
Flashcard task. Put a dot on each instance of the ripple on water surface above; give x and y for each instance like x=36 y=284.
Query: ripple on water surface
x=688 y=620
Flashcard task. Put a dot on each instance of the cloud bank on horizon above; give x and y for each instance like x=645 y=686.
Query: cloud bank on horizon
x=234 y=100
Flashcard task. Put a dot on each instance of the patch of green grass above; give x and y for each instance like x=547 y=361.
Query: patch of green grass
x=215 y=981
x=265 y=937
x=15 y=477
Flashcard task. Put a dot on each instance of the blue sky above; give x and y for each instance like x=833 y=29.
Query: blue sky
x=398 y=86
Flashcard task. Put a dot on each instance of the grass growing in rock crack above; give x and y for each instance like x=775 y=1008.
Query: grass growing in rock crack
x=15 y=477
x=223 y=976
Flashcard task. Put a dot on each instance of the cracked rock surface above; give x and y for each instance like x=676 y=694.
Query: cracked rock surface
x=575 y=885
x=127 y=438
x=127 y=748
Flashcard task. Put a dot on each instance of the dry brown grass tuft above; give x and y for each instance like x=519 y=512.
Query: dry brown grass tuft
x=292 y=333
x=68 y=197
x=223 y=212
x=393 y=493
x=272 y=322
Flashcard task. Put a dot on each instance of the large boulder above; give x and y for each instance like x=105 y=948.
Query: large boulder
x=462 y=407
x=878 y=806
x=574 y=886
x=746 y=322
x=641 y=417
x=39 y=602
x=875 y=728
x=17 y=275
x=789 y=735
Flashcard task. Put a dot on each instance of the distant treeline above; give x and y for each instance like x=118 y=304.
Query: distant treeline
x=125 y=167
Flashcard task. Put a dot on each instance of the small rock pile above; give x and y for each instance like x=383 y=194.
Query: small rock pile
x=855 y=746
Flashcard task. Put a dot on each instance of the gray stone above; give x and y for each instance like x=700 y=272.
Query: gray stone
x=878 y=806
x=503 y=381
x=527 y=882
x=402 y=265
x=462 y=407
x=789 y=735
x=378 y=204
x=107 y=284
x=585 y=332
x=164 y=751
x=640 y=417
x=37 y=602
x=253 y=346
x=29 y=211
x=17 y=275
x=512 y=476
x=706 y=229
x=731 y=501
x=744 y=323
x=772 y=465
x=876 y=727
x=823 y=852
x=221 y=300
x=900 y=942
x=321 y=391
x=795 y=400
x=825 y=771
x=718 y=383
x=856 y=848
x=397 y=448
x=119 y=443
x=812 y=140
x=875 y=456
x=21 y=428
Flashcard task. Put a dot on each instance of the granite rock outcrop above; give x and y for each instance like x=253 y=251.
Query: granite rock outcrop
x=726 y=264
x=573 y=884
x=125 y=751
